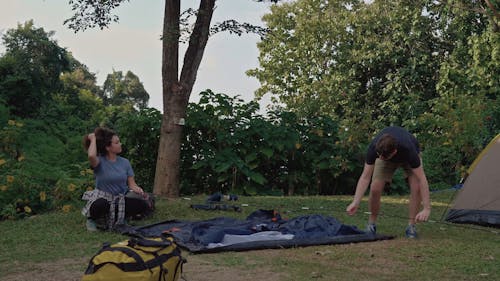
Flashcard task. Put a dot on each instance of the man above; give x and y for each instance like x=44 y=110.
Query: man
x=393 y=148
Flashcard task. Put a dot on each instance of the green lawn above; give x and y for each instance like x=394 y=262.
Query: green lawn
x=443 y=252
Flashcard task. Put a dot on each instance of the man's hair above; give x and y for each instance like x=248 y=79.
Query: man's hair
x=386 y=145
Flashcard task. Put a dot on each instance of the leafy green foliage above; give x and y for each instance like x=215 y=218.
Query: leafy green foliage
x=80 y=96
x=30 y=69
x=140 y=134
x=429 y=66
x=40 y=169
x=340 y=59
x=120 y=89
x=42 y=164
x=464 y=118
x=92 y=14
x=230 y=148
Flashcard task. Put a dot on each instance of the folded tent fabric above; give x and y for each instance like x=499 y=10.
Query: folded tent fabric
x=232 y=239
x=306 y=230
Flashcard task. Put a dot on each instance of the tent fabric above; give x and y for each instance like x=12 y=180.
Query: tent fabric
x=262 y=229
x=486 y=218
x=478 y=201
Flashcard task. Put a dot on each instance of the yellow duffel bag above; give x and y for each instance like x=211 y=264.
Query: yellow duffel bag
x=137 y=259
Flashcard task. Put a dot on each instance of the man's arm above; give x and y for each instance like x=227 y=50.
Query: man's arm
x=362 y=185
x=424 y=192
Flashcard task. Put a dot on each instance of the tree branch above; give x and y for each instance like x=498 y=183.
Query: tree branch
x=197 y=43
x=490 y=5
x=89 y=14
x=238 y=28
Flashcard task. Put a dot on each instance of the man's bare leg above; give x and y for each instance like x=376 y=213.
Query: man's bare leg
x=376 y=189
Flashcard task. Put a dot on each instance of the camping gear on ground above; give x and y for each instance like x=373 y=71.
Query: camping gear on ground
x=218 y=197
x=137 y=259
x=216 y=207
x=148 y=198
x=478 y=201
x=263 y=229
x=216 y=202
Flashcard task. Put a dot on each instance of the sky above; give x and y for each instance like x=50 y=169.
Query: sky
x=134 y=43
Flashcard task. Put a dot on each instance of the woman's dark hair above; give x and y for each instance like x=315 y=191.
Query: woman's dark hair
x=103 y=137
x=386 y=145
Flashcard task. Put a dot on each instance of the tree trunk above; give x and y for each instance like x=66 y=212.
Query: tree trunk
x=176 y=91
x=168 y=162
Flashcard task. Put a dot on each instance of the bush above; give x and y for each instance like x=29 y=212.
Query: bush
x=140 y=134
x=229 y=147
x=40 y=170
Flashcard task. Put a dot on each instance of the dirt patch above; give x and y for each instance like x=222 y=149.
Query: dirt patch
x=198 y=268
x=363 y=260
x=66 y=269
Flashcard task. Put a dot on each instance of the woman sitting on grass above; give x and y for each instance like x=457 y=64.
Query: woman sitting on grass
x=110 y=203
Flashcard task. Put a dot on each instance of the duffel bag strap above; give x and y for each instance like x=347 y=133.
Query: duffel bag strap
x=138 y=265
x=143 y=242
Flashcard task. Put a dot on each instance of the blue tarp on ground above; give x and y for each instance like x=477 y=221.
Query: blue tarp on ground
x=262 y=229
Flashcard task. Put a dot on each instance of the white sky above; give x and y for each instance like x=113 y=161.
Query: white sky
x=133 y=43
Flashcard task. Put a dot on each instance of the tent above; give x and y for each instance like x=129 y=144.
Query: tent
x=478 y=201
x=262 y=229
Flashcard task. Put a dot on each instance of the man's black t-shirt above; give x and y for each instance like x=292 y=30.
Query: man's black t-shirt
x=407 y=146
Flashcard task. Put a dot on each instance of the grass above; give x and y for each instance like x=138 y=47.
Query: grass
x=443 y=252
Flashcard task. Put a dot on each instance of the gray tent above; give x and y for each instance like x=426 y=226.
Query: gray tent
x=478 y=201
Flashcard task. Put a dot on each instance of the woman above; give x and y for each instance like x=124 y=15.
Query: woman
x=107 y=204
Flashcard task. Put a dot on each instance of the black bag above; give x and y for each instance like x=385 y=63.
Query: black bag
x=149 y=201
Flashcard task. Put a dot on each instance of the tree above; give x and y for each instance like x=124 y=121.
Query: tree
x=119 y=89
x=80 y=95
x=231 y=148
x=466 y=112
x=176 y=89
x=431 y=66
x=367 y=65
x=30 y=68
